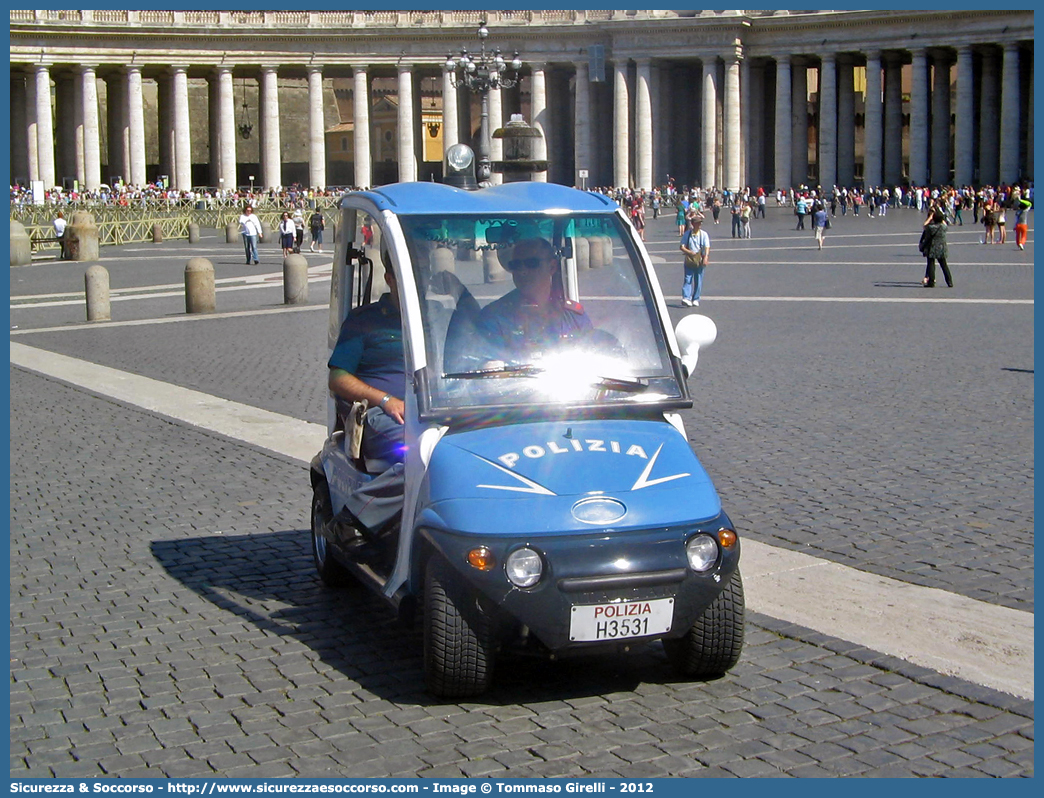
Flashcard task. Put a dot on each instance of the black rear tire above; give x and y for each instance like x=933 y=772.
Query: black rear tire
x=714 y=643
x=458 y=635
x=330 y=571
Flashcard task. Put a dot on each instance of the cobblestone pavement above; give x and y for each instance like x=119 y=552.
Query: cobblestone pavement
x=166 y=619
x=893 y=437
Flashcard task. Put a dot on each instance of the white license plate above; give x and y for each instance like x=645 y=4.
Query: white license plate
x=621 y=619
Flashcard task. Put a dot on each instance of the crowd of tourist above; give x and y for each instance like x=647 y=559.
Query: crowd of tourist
x=155 y=194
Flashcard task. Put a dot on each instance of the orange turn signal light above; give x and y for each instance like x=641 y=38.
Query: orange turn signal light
x=482 y=559
x=727 y=538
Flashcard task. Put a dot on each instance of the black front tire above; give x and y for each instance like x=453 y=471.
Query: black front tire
x=458 y=635
x=714 y=643
x=330 y=571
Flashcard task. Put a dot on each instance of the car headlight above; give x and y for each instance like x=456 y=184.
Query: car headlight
x=702 y=551
x=524 y=567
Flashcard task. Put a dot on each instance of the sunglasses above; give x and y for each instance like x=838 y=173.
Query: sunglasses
x=515 y=264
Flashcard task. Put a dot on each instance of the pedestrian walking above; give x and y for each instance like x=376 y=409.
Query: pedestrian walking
x=746 y=214
x=250 y=229
x=989 y=221
x=287 y=234
x=800 y=210
x=820 y=221
x=316 y=225
x=696 y=246
x=638 y=216
x=298 y=220
x=933 y=247
x=59 y=224
x=680 y=218
x=1022 y=207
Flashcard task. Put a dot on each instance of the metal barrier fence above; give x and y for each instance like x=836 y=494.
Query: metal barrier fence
x=130 y=225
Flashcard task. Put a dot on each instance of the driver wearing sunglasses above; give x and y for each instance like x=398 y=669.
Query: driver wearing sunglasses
x=535 y=316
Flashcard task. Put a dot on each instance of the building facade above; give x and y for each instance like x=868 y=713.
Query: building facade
x=623 y=98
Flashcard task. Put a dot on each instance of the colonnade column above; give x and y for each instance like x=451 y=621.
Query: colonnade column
x=19 y=128
x=733 y=142
x=941 y=119
x=271 y=150
x=165 y=101
x=989 y=113
x=963 y=169
x=450 y=118
x=32 y=150
x=1009 y=116
x=709 y=124
x=361 y=117
x=621 y=126
x=872 y=130
x=784 y=129
x=845 y=122
x=661 y=132
x=407 y=158
x=643 y=121
x=541 y=118
x=828 y=122
x=116 y=117
x=91 y=130
x=316 y=129
x=136 y=125
x=64 y=133
x=69 y=147
x=919 y=118
x=799 y=122
x=582 y=125
x=182 y=131
x=496 y=121
x=44 y=126
x=755 y=123
x=744 y=122
x=893 y=119
x=226 y=131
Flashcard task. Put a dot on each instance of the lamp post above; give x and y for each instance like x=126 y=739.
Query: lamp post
x=482 y=73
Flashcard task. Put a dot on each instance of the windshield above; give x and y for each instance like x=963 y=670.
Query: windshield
x=533 y=310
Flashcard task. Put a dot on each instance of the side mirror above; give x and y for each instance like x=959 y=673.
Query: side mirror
x=693 y=333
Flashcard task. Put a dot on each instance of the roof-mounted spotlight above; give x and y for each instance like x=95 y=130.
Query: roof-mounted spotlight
x=459 y=167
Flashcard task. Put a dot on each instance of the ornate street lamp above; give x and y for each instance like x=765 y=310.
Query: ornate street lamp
x=245 y=128
x=482 y=73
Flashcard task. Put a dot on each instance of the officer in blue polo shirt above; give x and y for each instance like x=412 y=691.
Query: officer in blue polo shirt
x=535 y=317
x=368 y=363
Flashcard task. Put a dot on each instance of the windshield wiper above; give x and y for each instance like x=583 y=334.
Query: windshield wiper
x=526 y=370
x=625 y=385
x=636 y=385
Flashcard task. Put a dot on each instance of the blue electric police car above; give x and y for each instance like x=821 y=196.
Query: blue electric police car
x=548 y=498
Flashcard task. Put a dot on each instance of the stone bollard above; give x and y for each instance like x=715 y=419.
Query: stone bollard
x=443 y=260
x=81 y=237
x=96 y=285
x=332 y=231
x=266 y=233
x=193 y=233
x=295 y=280
x=582 y=253
x=157 y=233
x=380 y=285
x=199 y=286
x=232 y=235
x=492 y=271
x=21 y=246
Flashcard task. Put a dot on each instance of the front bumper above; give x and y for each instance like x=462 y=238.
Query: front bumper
x=591 y=569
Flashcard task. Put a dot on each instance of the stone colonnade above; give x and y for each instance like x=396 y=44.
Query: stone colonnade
x=727 y=119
